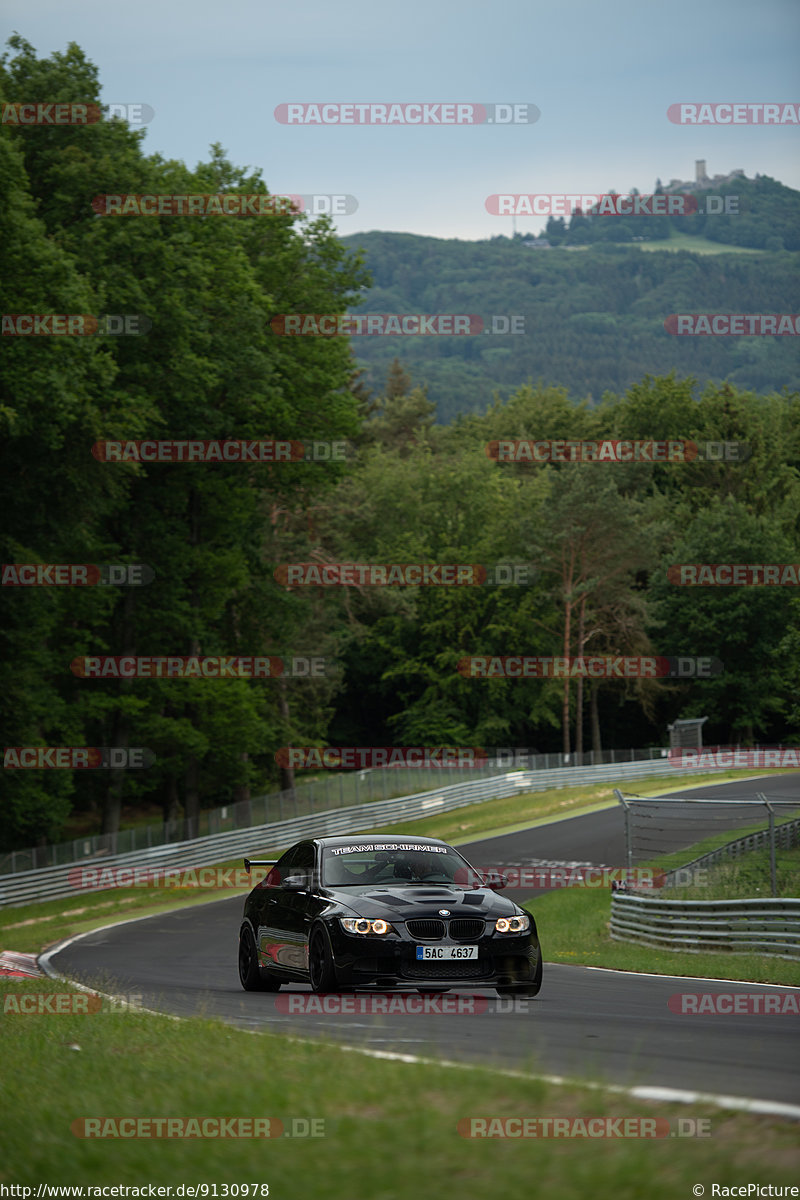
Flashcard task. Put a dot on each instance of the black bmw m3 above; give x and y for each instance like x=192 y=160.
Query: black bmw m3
x=384 y=912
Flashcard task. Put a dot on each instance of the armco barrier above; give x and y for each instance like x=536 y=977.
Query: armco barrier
x=769 y=926
x=52 y=883
x=315 y=794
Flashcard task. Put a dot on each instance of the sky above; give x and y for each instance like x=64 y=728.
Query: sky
x=601 y=75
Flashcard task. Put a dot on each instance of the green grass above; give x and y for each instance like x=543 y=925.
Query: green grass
x=391 y=1128
x=574 y=922
x=573 y=925
x=746 y=877
x=680 y=857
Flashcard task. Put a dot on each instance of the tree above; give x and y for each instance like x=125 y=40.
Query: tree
x=589 y=541
x=741 y=626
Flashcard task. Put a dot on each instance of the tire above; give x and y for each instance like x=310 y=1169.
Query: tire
x=250 y=974
x=525 y=989
x=321 y=972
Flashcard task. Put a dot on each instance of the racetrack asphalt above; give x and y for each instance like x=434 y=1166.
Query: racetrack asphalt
x=612 y=1027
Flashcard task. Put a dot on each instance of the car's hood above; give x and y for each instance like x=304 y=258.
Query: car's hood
x=403 y=902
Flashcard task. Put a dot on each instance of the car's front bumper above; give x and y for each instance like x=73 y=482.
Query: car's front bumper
x=503 y=961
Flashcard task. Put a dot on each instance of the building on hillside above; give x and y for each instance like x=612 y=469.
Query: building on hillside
x=702 y=181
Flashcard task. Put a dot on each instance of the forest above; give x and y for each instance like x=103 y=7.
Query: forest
x=418 y=483
x=593 y=318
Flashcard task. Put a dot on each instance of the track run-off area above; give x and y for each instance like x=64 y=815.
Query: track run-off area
x=613 y=1028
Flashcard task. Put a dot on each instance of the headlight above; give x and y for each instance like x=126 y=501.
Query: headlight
x=365 y=926
x=512 y=924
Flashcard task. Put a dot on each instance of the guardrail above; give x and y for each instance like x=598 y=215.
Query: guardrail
x=335 y=789
x=53 y=883
x=768 y=926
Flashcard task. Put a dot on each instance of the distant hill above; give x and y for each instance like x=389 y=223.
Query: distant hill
x=760 y=213
x=593 y=319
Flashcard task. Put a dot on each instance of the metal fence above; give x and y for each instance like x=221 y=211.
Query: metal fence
x=337 y=789
x=56 y=882
x=786 y=836
x=658 y=825
x=769 y=926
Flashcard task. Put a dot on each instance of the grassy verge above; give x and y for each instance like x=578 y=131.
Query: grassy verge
x=745 y=878
x=391 y=1130
x=573 y=924
x=31 y=928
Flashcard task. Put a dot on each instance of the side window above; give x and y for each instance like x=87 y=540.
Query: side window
x=303 y=862
x=279 y=872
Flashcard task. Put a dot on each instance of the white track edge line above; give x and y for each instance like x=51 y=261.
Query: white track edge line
x=642 y=1092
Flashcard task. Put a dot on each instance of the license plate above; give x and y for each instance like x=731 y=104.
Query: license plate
x=439 y=953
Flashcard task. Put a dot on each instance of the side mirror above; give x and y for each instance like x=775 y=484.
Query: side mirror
x=494 y=880
x=296 y=883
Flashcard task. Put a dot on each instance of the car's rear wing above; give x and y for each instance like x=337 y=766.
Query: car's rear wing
x=259 y=862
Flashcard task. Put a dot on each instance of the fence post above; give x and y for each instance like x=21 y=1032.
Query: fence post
x=628 y=847
x=772 y=870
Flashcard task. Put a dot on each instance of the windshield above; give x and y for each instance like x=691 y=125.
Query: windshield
x=397 y=863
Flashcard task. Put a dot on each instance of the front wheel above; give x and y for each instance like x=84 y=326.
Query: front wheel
x=320 y=963
x=525 y=989
x=249 y=971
